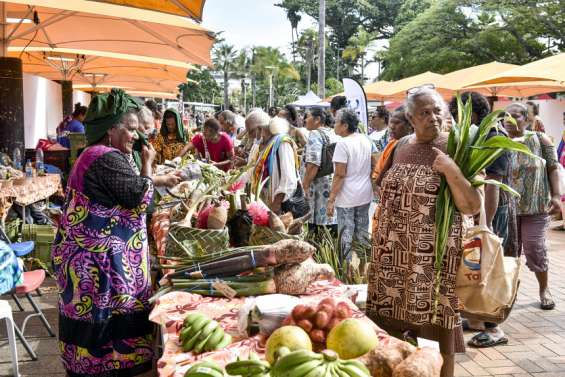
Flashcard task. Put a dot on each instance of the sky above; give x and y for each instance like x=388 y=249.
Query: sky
x=247 y=23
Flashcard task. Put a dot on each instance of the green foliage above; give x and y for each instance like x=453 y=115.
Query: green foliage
x=202 y=87
x=455 y=34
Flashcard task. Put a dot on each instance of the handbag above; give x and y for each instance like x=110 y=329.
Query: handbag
x=487 y=281
x=326 y=162
x=297 y=203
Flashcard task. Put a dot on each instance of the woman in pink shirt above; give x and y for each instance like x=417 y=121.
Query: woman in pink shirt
x=212 y=145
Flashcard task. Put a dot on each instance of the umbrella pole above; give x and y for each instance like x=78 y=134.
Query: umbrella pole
x=11 y=104
x=67 y=91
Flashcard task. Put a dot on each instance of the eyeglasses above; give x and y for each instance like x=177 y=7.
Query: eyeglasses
x=417 y=89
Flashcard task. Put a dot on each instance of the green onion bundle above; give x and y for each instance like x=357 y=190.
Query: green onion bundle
x=469 y=147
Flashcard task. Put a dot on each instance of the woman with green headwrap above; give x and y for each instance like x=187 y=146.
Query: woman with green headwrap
x=100 y=253
x=172 y=137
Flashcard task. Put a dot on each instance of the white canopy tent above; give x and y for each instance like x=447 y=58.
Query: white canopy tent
x=310 y=100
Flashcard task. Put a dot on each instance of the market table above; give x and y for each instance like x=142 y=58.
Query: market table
x=28 y=190
x=171 y=309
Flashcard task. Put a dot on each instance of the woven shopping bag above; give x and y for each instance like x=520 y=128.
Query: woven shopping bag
x=487 y=281
x=262 y=235
x=194 y=243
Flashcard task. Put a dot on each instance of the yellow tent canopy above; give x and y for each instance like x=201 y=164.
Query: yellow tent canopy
x=457 y=80
x=92 y=69
x=374 y=91
x=95 y=26
x=548 y=69
x=518 y=89
x=397 y=90
x=189 y=8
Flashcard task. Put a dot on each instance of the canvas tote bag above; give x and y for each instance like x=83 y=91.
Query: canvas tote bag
x=487 y=281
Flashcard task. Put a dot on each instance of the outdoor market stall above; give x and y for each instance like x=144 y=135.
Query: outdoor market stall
x=249 y=298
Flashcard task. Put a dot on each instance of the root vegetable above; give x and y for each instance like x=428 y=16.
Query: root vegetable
x=328 y=309
x=383 y=360
x=296 y=226
x=292 y=251
x=334 y=322
x=309 y=313
x=275 y=223
x=288 y=321
x=298 y=312
x=424 y=362
x=217 y=218
x=305 y=324
x=318 y=336
x=322 y=320
x=286 y=219
x=343 y=310
x=295 y=279
x=327 y=301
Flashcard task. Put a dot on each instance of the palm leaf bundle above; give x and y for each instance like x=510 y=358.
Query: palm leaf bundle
x=469 y=147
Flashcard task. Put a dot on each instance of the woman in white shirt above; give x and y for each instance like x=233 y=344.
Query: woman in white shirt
x=351 y=192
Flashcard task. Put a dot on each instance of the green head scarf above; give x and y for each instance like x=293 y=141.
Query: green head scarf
x=105 y=110
x=181 y=136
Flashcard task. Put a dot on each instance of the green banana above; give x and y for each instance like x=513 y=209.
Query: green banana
x=189 y=343
x=224 y=342
x=199 y=324
x=247 y=367
x=353 y=370
x=338 y=370
x=209 y=328
x=317 y=372
x=184 y=333
x=209 y=364
x=303 y=369
x=200 y=345
x=191 y=318
x=292 y=360
x=215 y=339
x=202 y=371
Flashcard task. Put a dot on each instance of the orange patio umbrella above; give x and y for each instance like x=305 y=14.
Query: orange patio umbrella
x=548 y=69
x=189 y=8
x=95 y=26
x=396 y=90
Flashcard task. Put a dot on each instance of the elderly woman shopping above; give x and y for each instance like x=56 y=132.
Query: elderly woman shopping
x=401 y=273
x=100 y=254
x=278 y=161
x=537 y=181
x=351 y=191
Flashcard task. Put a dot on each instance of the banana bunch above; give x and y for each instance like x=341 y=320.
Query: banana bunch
x=205 y=369
x=202 y=334
x=304 y=363
x=254 y=367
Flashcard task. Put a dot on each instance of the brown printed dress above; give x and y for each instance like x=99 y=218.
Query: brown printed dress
x=401 y=272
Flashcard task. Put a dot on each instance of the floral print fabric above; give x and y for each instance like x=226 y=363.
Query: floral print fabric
x=100 y=260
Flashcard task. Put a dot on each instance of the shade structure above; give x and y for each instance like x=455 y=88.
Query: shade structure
x=374 y=91
x=132 y=91
x=310 y=100
x=548 y=69
x=397 y=90
x=101 y=70
x=518 y=89
x=188 y=8
x=94 y=26
x=458 y=80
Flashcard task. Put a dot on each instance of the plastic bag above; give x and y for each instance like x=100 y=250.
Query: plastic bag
x=265 y=313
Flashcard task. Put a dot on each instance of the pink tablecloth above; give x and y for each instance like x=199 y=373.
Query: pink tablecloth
x=171 y=309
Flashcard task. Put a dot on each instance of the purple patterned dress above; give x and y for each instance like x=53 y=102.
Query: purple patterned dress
x=100 y=258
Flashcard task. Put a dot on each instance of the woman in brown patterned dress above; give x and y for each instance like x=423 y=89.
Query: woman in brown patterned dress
x=401 y=273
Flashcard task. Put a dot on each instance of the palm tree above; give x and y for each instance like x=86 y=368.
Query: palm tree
x=357 y=48
x=308 y=39
x=223 y=58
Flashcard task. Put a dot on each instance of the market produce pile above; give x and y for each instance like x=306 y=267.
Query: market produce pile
x=224 y=242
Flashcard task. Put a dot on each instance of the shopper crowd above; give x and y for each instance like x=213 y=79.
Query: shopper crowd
x=316 y=163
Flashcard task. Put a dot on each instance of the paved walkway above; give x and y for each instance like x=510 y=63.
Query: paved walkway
x=536 y=347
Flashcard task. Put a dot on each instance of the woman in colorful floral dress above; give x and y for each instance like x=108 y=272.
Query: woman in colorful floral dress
x=100 y=254
x=317 y=190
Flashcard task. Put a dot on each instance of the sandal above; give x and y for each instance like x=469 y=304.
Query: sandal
x=547 y=303
x=485 y=339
